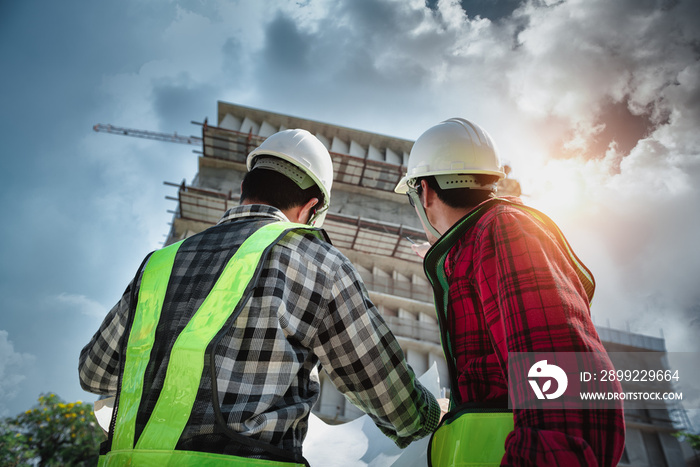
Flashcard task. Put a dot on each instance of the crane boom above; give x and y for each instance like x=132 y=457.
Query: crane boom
x=169 y=137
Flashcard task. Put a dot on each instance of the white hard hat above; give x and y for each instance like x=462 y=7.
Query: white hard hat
x=452 y=151
x=310 y=163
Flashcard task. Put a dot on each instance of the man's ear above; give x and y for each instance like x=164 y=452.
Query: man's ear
x=428 y=195
x=307 y=211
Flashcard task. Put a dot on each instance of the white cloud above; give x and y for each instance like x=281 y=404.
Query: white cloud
x=12 y=366
x=82 y=304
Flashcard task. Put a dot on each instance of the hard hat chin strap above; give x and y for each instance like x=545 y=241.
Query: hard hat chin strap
x=317 y=216
x=413 y=194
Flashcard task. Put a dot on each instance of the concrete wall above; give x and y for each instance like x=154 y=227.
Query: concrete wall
x=371 y=207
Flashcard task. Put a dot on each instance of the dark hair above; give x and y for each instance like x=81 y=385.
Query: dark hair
x=462 y=197
x=275 y=189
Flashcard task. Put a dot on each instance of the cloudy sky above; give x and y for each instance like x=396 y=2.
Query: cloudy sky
x=596 y=105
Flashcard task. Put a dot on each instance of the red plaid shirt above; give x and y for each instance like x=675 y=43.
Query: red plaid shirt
x=512 y=289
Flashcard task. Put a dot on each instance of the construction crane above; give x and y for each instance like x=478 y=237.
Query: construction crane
x=169 y=137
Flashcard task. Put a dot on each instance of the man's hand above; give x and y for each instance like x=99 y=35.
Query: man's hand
x=420 y=248
x=444 y=407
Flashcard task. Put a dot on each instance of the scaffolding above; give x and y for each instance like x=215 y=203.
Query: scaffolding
x=362 y=171
x=369 y=236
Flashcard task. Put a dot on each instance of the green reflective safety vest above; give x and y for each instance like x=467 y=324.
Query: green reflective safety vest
x=156 y=445
x=473 y=436
x=470 y=437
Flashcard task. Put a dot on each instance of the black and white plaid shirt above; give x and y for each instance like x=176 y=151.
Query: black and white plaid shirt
x=309 y=306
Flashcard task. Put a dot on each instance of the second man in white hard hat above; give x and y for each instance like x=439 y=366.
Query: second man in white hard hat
x=505 y=281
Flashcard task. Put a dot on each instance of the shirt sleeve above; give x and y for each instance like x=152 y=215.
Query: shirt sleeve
x=367 y=365
x=100 y=359
x=527 y=284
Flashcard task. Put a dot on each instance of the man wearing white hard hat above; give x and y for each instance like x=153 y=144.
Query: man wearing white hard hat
x=214 y=348
x=505 y=282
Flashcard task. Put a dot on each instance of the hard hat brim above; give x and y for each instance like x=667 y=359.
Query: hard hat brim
x=402 y=186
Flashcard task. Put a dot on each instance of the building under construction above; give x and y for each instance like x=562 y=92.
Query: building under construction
x=372 y=225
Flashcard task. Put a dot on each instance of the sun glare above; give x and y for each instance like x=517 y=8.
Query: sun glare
x=557 y=188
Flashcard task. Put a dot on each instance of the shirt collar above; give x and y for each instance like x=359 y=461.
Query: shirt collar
x=253 y=211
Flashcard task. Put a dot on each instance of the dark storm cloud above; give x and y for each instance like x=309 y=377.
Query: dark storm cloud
x=179 y=100
x=286 y=48
x=626 y=55
x=376 y=19
x=357 y=52
x=375 y=38
x=232 y=57
x=351 y=27
x=494 y=10
x=619 y=128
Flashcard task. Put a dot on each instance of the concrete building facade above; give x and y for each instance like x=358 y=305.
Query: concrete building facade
x=371 y=225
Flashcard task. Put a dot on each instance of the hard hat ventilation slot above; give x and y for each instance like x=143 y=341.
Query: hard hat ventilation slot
x=462 y=181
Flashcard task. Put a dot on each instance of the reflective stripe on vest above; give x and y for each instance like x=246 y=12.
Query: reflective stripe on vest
x=154 y=282
x=155 y=458
x=470 y=439
x=182 y=379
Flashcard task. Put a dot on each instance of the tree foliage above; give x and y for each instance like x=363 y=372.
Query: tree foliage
x=693 y=440
x=53 y=433
x=14 y=450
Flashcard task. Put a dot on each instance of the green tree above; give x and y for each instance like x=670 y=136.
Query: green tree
x=14 y=451
x=693 y=440
x=54 y=433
